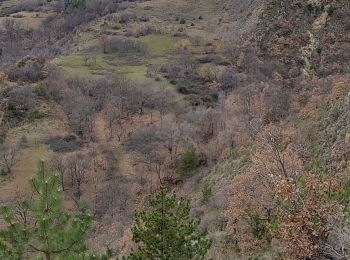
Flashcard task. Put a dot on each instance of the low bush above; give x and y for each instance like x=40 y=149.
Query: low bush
x=27 y=70
x=21 y=98
x=28 y=6
x=206 y=192
x=34 y=115
x=63 y=144
x=118 y=44
x=74 y=4
x=189 y=161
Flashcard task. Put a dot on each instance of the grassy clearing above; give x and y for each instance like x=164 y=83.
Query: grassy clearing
x=34 y=150
x=158 y=44
x=133 y=65
x=17 y=182
x=134 y=72
x=98 y=65
x=31 y=20
x=37 y=130
x=30 y=159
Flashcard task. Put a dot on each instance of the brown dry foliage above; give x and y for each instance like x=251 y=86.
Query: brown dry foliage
x=277 y=187
x=253 y=192
x=305 y=214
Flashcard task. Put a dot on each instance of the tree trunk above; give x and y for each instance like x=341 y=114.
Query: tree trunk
x=47 y=256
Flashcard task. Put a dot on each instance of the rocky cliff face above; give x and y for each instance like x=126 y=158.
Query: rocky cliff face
x=310 y=35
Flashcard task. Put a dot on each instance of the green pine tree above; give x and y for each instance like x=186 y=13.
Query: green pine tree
x=42 y=229
x=168 y=232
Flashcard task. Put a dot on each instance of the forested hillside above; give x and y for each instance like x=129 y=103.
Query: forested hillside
x=184 y=129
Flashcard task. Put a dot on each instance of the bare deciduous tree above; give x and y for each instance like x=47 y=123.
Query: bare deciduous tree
x=169 y=131
x=147 y=147
x=57 y=164
x=12 y=29
x=228 y=80
x=9 y=156
x=78 y=167
x=276 y=103
x=104 y=42
x=112 y=198
x=81 y=111
x=21 y=98
x=337 y=245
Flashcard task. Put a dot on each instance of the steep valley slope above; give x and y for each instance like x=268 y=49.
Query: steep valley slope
x=240 y=106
